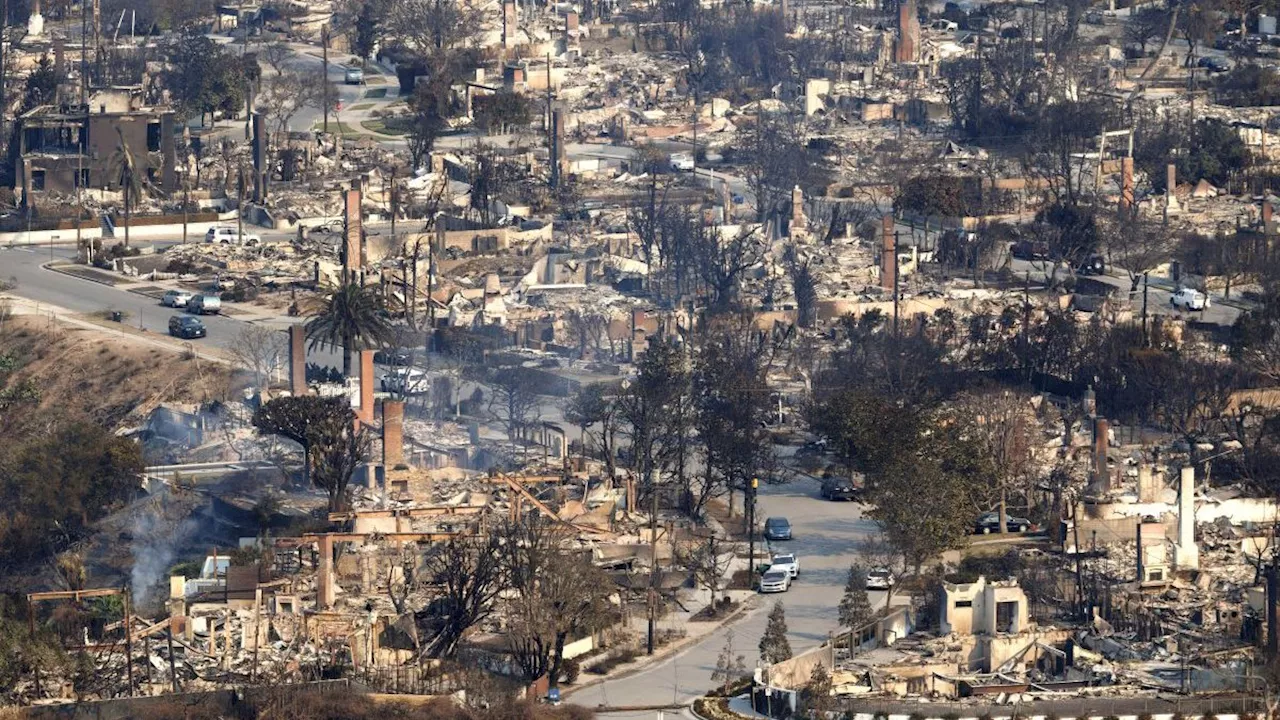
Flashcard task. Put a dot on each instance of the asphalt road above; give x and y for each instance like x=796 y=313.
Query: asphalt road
x=24 y=267
x=827 y=535
x=1220 y=311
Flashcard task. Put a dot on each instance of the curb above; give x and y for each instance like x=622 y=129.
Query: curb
x=51 y=266
x=672 y=651
x=153 y=339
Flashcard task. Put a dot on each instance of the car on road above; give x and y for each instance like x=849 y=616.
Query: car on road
x=777 y=528
x=988 y=523
x=230 y=236
x=176 y=298
x=775 y=581
x=682 y=161
x=839 y=489
x=353 y=76
x=205 y=305
x=1093 y=265
x=880 y=579
x=406 y=381
x=1214 y=64
x=1029 y=250
x=393 y=357
x=186 y=327
x=788 y=562
x=1191 y=299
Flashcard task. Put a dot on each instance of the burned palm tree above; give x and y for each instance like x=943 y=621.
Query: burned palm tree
x=128 y=179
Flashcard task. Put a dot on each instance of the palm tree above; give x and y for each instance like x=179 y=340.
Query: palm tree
x=129 y=181
x=352 y=317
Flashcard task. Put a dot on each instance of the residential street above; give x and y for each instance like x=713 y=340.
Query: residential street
x=827 y=538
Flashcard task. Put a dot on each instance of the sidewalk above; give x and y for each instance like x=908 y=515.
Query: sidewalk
x=244 y=312
x=697 y=632
x=23 y=306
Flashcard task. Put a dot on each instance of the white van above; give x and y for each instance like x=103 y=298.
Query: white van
x=682 y=161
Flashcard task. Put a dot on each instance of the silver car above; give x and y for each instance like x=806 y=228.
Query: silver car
x=176 y=298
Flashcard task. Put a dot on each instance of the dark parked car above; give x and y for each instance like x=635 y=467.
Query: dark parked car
x=186 y=327
x=1214 y=64
x=393 y=357
x=1029 y=250
x=1093 y=265
x=777 y=528
x=990 y=522
x=839 y=489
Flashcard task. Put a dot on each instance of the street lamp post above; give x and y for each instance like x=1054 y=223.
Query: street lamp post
x=751 y=531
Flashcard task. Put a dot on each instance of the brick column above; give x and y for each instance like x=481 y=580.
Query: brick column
x=352 y=258
x=366 y=387
x=1126 y=184
x=888 y=256
x=324 y=574
x=392 y=433
x=297 y=360
x=1102 y=477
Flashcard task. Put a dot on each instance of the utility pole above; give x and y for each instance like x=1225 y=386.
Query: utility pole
x=551 y=134
x=240 y=203
x=431 y=275
x=84 y=105
x=1146 y=337
x=653 y=562
x=751 y=530
x=324 y=64
x=896 y=275
x=392 y=203
x=1075 y=530
x=186 y=200
x=4 y=55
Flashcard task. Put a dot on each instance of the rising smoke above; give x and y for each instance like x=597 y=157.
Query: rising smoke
x=156 y=541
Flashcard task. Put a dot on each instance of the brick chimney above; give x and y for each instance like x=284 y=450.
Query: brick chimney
x=297 y=360
x=324 y=574
x=392 y=433
x=888 y=254
x=353 y=256
x=1126 y=184
x=1101 y=443
x=365 y=412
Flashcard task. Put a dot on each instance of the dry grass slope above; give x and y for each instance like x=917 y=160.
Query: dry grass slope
x=98 y=376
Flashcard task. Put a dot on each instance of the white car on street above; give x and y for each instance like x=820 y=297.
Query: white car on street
x=774 y=581
x=788 y=562
x=230 y=236
x=1191 y=299
x=880 y=579
x=406 y=381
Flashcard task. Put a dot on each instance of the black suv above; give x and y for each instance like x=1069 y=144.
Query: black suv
x=186 y=327
x=839 y=489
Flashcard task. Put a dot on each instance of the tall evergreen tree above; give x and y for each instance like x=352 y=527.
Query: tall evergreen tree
x=774 y=646
x=855 y=606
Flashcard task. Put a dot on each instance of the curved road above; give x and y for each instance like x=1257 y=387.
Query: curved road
x=828 y=535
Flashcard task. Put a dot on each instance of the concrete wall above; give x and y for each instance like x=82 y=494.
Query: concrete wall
x=971 y=608
x=195 y=232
